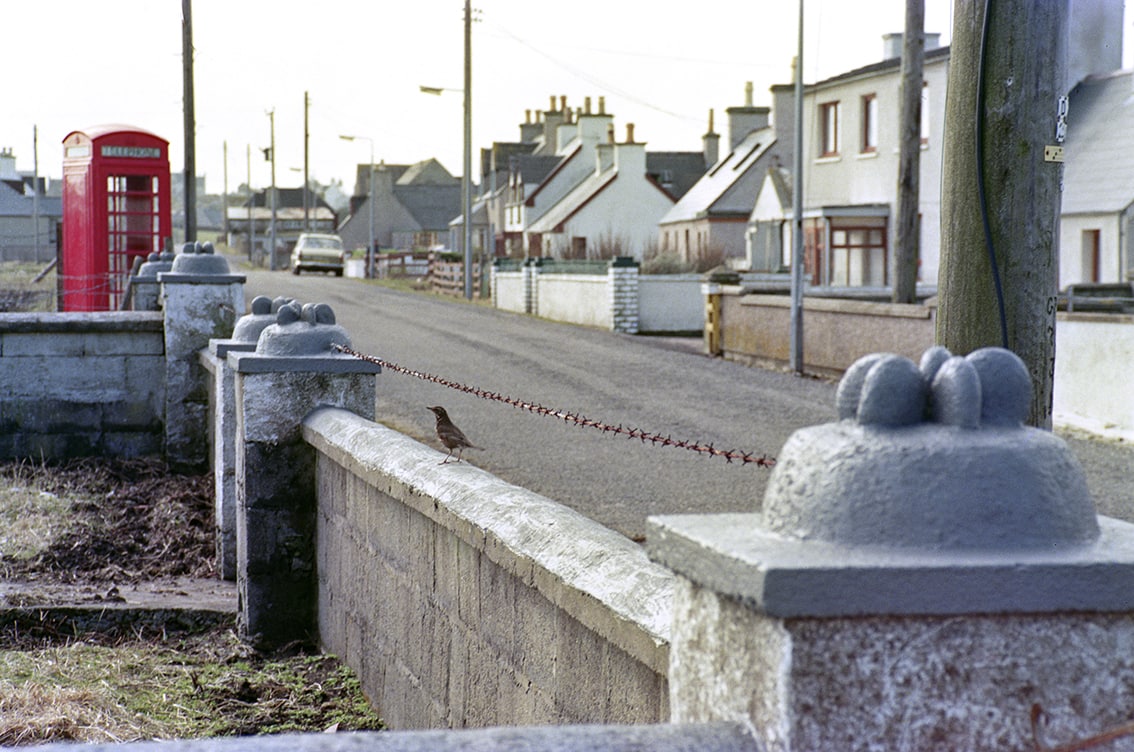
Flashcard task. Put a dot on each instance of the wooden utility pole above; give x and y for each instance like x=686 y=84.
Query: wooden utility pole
x=1000 y=193
x=909 y=156
x=306 y=163
x=190 y=121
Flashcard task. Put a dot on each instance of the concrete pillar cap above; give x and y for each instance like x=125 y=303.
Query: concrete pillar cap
x=261 y=315
x=199 y=258
x=933 y=456
x=302 y=330
x=156 y=262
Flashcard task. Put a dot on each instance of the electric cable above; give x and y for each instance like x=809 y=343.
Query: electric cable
x=988 y=244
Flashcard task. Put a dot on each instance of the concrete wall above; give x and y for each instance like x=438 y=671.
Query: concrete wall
x=575 y=298
x=81 y=384
x=670 y=303
x=641 y=304
x=464 y=601
x=836 y=332
x=508 y=295
x=1094 y=357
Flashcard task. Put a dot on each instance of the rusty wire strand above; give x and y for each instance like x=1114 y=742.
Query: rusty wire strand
x=656 y=439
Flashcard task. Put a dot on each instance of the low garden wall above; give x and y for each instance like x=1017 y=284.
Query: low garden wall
x=462 y=600
x=1094 y=357
x=81 y=384
x=836 y=332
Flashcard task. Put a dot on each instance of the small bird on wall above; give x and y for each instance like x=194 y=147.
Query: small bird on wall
x=451 y=436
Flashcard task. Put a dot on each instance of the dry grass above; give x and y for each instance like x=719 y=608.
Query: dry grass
x=106 y=521
x=19 y=290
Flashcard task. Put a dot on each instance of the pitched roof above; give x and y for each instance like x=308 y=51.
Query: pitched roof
x=433 y=206
x=1098 y=175
x=723 y=189
x=676 y=171
x=16 y=204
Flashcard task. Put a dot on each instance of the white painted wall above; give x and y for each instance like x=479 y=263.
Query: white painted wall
x=510 y=291
x=1074 y=260
x=856 y=178
x=575 y=299
x=670 y=303
x=1094 y=357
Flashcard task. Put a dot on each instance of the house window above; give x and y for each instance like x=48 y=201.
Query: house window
x=858 y=252
x=870 y=124
x=829 y=129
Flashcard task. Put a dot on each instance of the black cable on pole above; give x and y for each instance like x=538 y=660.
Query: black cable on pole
x=988 y=244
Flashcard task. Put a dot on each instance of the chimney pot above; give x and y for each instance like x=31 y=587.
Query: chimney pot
x=587 y=105
x=629 y=133
x=602 y=105
x=552 y=104
x=710 y=120
x=563 y=102
x=748 y=94
x=527 y=116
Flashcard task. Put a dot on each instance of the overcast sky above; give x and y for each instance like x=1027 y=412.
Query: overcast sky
x=71 y=64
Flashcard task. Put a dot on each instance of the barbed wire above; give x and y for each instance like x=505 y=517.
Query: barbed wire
x=646 y=437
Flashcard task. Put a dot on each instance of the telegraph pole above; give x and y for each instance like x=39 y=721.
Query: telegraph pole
x=909 y=155
x=466 y=181
x=190 y=122
x=1001 y=177
x=272 y=223
x=35 y=189
x=796 y=312
x=306 y=162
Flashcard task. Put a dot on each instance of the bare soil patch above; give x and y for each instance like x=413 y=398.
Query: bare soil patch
x=109 y=528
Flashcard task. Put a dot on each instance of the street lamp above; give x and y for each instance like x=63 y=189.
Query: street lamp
x=370 y=200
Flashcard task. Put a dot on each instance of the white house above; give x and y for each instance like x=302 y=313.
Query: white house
x=1098 y=183
x=710 y=218
x=850 y=169
x=613 y=211
x=575 y=143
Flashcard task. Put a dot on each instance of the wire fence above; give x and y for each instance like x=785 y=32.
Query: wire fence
x=572 y=418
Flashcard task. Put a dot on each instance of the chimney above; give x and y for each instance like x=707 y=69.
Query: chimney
x=602 y=105
x=552 y=119
x=586 y=105
x=711 y=144
x=8 y=165
x=892 y=44
x=529 y=129
x=629 y=133
x=744 y=120
x=563 y=102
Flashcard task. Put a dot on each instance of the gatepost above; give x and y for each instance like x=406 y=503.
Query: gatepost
x=927 y=573
x=144 y=288
x=201 y=301
x=293 y=370
x=222 y=431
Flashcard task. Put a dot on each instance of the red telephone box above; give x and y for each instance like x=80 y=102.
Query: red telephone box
x=115 y=209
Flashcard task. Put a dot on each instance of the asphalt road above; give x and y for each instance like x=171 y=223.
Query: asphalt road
x=662 y=386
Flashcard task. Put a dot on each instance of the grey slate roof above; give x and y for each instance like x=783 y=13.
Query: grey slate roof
x=683 y=168
x=433 y=206
x=15 y=204
x=1098 y=175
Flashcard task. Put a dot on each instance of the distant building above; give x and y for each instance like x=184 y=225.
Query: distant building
x=413 y=206
x=290 y=220
x=22 y=213
x=710 y=219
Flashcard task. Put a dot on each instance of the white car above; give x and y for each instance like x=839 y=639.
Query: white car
x=317 y=252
